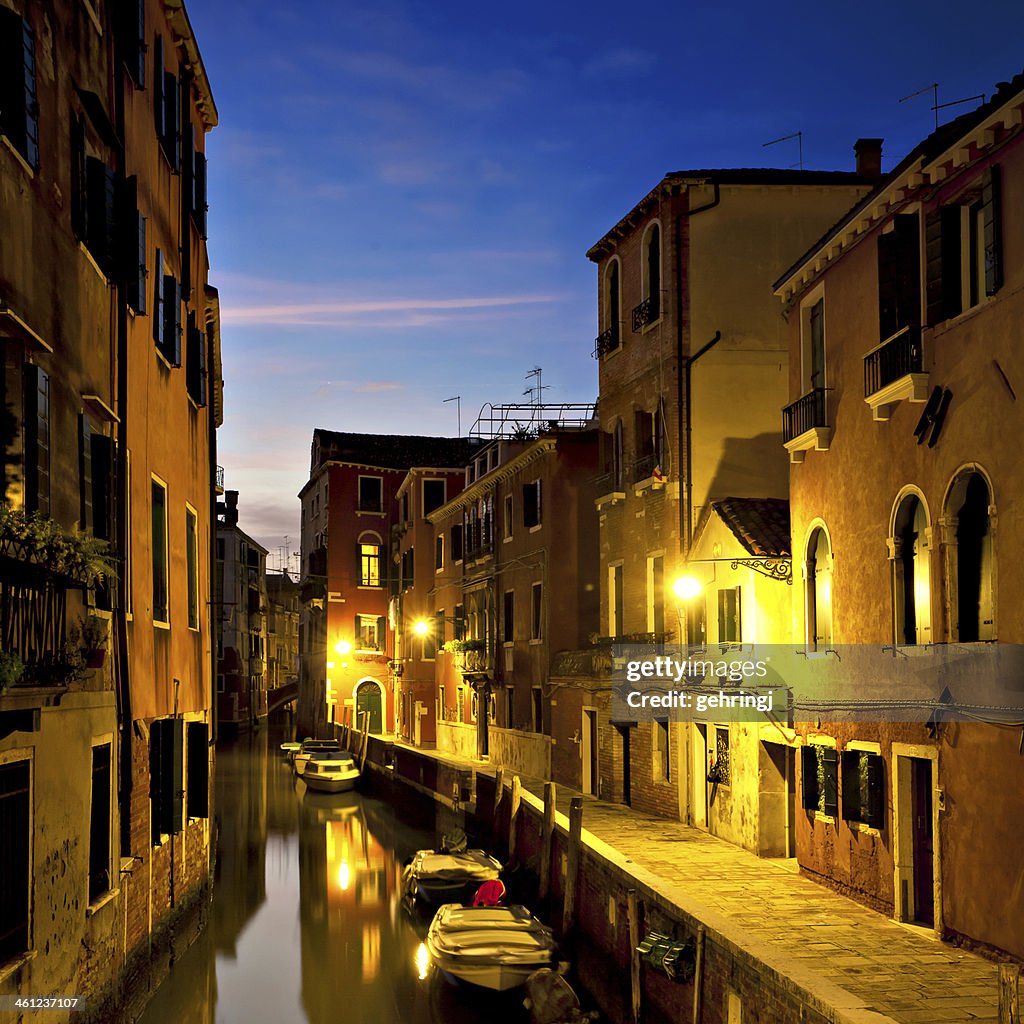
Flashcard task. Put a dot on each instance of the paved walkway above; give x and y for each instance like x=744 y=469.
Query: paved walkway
x=847 y=957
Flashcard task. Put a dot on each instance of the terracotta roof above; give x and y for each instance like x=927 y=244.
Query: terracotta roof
x=394 y=451
x=761 y=525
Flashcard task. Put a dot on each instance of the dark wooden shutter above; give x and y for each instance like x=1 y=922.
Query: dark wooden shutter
x=991 y=215
x=172 y=119
x=934 y=302
x=809 y=790
x=198 y=770
x=36 y=426
x=830 y=763
x=131 y=242
x=19 y=107
x=382 y=627
x=159 y=103
x=158 y=301
x=654 y=271
x=875 y=816
x=851 y=785
x=99 y=824
x=85 y=472
x=132 y=26
x=102 y=486
x=14 y=855
x=99 y=235
x=172 y=320
x=887 y=248
x=171 y=777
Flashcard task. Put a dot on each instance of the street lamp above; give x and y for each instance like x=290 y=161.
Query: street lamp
x=687 y=587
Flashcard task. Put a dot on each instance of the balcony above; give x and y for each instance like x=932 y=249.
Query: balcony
x=805 y=425
x=220 y=479
x=647 y=473
x=893 y=373
x=606 y=341
x=610 y=488
x=646 y=313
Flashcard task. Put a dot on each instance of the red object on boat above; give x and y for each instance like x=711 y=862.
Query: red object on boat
x=490 y=894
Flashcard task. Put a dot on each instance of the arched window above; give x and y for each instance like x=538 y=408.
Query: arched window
x=369 y=552
x=652 y=271
x=911 y=573
x=818 y=590
x=969 y=563
x=612 y=306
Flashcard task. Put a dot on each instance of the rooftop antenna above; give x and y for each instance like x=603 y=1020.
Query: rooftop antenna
x=936 y=105
x=458 y=408
x=799 y=136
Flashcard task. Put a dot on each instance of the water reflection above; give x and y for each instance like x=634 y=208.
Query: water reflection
x=307 y=923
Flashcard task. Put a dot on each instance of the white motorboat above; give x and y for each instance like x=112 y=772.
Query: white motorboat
x=496 y=948
x=290 y=749
x=314 y=748
x=434 y=878
x=331 y=773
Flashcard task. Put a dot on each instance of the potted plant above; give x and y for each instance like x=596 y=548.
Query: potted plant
x=93 y=638
x=11 y=670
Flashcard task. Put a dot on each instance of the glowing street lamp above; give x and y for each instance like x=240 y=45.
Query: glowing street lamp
x=686 y=588
x=343 y=647
x=421 y=627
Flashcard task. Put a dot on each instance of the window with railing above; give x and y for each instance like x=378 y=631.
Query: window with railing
x=807 y=412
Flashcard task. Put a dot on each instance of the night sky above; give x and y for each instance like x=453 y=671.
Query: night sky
x=402 y=193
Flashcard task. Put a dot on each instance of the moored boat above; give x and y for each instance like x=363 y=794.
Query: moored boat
x=331 y=773
x=496 y=948
x=313 y=748
x=433 y=877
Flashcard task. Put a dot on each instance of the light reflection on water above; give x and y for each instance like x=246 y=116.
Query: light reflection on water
x=306 y=923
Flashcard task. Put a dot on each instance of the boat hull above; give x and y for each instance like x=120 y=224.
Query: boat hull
x=329 y=785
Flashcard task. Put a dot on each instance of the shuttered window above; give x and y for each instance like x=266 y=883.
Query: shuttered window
x=15 y=838
x=199 y=200
x=899 y=288
x=820 y=779
x=165 y=777
x=863 y=776
x=198 y=794
x=36 y=428
x=19 y=107
x=195 y=362
x=132 y=29
x=159 y=546
x=192 y=566
x=99 y=823
x=100 y=185
x=170 y=344
x=158 y=301
x=132 y=246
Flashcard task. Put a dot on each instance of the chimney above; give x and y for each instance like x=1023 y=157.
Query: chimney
x=869 y=158
x=231 y=508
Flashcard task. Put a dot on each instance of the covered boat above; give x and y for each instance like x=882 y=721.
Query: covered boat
x=495 y=947
x=433 y=878
x=331 y=773
x=313 y=748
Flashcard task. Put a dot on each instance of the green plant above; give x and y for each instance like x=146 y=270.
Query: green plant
x=12 y=668
x=80 y=557
x=462 y=646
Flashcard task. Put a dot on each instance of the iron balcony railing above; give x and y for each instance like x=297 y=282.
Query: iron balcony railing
x=220 y=477
x=607 y=341
x=646 y=313
x=609 y=482
x=892 y=359
x=643 y=467
x=806 y=412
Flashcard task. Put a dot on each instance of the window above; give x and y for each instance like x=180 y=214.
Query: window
x=19 y=108
x=614 y=460
x=192 y=565
x=198 y=206
x=508 y=617
x=899 y=276
x=612 y=307
x=369 y=565
x=910 y=573
x=510 y=705
x=132 y=30
x=439 y=705
x=369 y=632
x=36 y=427
x=649 y=309
x=662 y=752
x=818 y=591
x=198 y=783
x=863 y=788
x=650 y=444
x=971 y=568
x=433 y=495
x=97 y=202
x=820 y=779
x=656 y=594
x=456 y=547
x=718 y=771
x=166 y=313
x=963 y=249
x=439 y=552
x=474 y=704
x=537 y=708
x=371 y=494
x=405 y=507
x=166 y=736
x=536 y=611
x=96 y=480
x=459 y=625
x=531 y=504
x=99 y=823
x=407 y=569
x=133 y=242
x=615 y=600
x=15 y=848
x=166 y=107
x=507 y=522
x=161 y=611
x=813 y=344
x=460 y=704
x=729 y=628
x=195 y=362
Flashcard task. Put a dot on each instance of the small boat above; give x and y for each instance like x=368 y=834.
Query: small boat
x=290 y=749
x=331 y=773
x=497 y=948
x=312 y=748
x=433 y=878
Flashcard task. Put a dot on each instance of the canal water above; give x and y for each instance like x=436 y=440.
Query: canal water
x=307 y=923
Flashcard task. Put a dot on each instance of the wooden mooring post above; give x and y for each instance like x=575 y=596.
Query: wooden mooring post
x=635 y=977
x=572 y=864
x=513 y=818
x=698 y=977
x=499 y=795
x=547 y=835
x=1009 y=1004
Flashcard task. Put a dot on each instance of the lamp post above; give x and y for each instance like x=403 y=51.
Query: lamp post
x=687 y=589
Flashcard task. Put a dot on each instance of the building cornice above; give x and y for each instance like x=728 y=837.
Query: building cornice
x=177 y=18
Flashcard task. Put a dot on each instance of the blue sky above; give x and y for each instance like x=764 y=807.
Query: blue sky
x=402 y=193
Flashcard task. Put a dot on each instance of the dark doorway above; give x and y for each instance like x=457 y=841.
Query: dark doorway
x=921 y=809
x=624 y=732
x=368 y=702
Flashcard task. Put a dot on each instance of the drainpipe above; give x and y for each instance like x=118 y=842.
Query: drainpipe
x=683 y=386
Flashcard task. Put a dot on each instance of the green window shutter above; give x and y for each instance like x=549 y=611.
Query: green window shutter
x=156 y=788
x=809 y=790
x=36 y=425
x=132 y=26
x=952 y=286
x=851 y=785
x=172 y=119
x=991 y=216
x=85 y=473
x=875 y=816
x=159 y=103
x=830 y=764
x=934 y=298
x=158 y=301
x=99 y=234
x=172 y=320
x=198 y=770
x=102 y=486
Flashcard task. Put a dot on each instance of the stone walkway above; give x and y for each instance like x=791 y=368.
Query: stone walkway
x=863 y=966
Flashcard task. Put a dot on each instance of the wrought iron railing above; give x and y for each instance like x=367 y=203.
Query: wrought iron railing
x=220 y=477
x=608 y=483
x=893 y=358
x=607 y=341
x=646 y=313
x=644 y=467
x=806 y=412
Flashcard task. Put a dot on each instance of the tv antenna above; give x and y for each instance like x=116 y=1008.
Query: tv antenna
x=458 y=408
x=799 y=136
x=536 y=390
x=936 y=105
